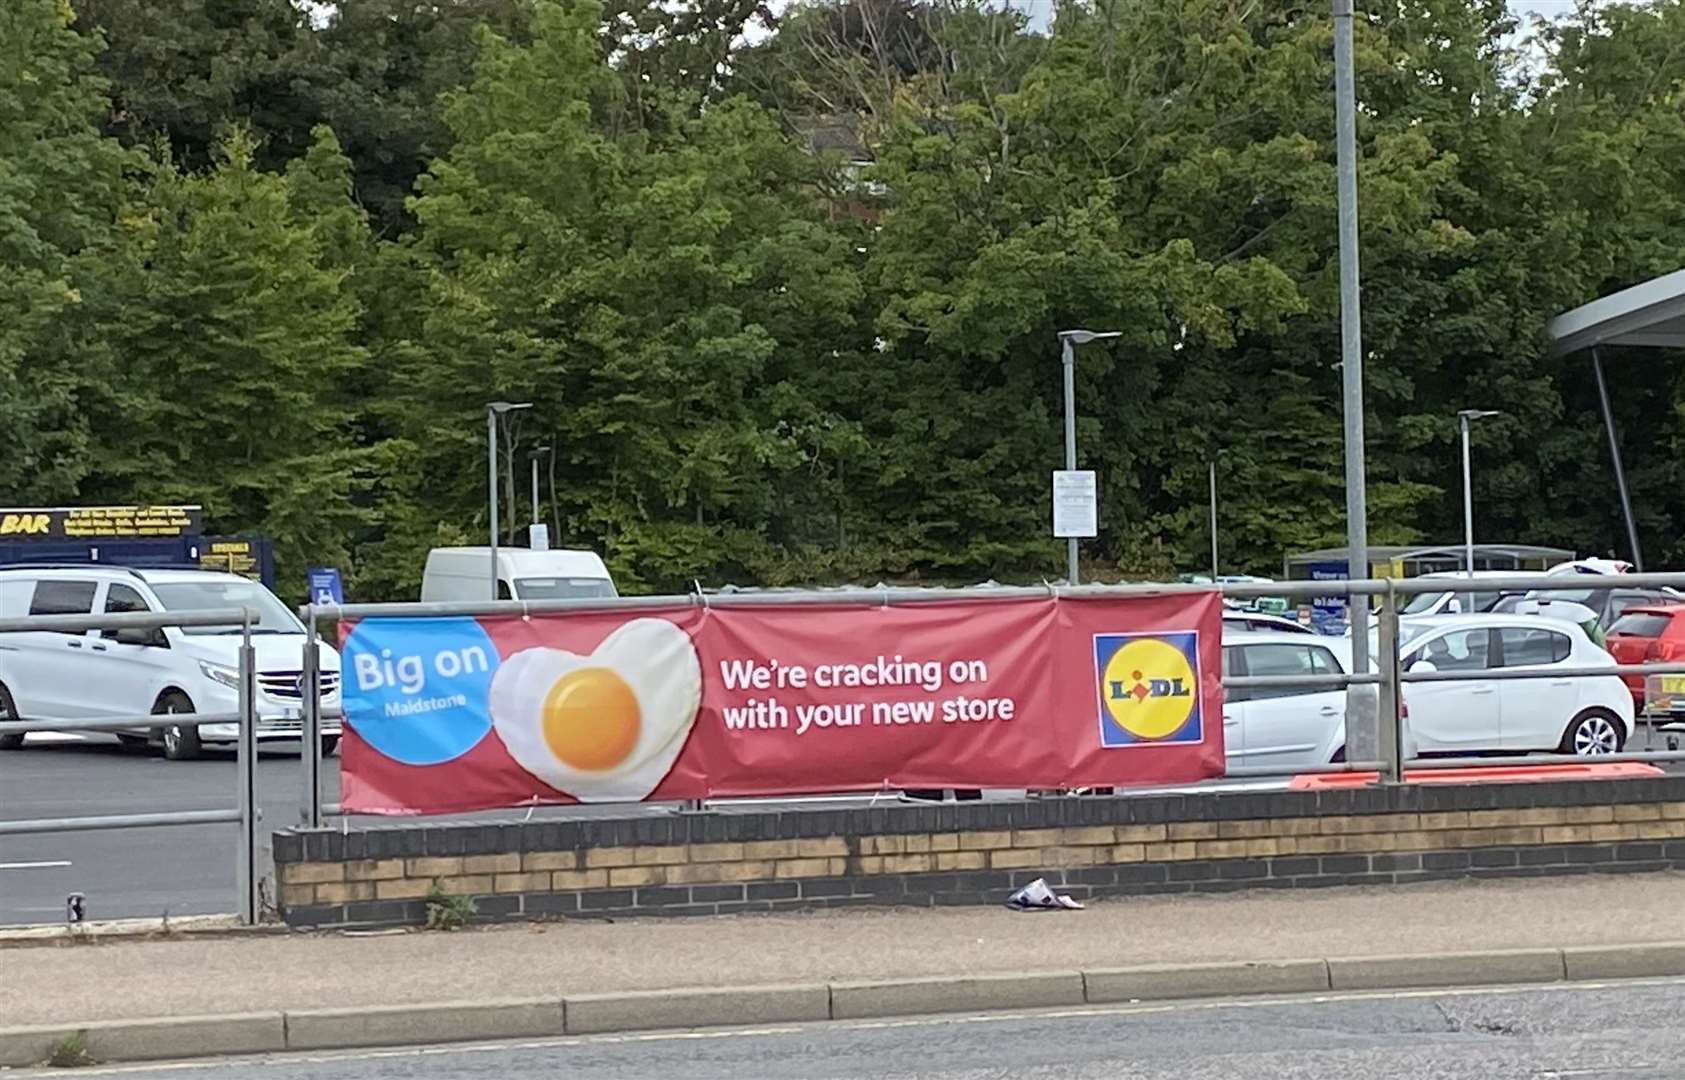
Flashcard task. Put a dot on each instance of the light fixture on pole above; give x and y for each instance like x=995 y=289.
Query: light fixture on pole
x=1464 y=417
x=495 y=409
x=1068 y=341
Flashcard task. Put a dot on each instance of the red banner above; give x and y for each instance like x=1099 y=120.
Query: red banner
x=455 y=714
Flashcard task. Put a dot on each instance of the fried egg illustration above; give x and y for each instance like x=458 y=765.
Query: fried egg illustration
x=604 y=727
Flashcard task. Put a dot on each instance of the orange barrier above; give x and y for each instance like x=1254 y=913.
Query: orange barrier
x=1609 y=770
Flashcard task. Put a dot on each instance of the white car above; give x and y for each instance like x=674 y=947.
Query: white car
x=1453 y=600
x=1285 y=727
x=1257 y=620
x=52 y=675
x=1575 y=716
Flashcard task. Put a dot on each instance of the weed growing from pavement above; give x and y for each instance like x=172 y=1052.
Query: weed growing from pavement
x=448 y=912
x=71 y=1052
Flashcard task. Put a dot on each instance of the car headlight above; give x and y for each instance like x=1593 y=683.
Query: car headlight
x=227 y=676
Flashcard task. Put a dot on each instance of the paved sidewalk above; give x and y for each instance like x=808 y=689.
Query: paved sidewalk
x=206 y=975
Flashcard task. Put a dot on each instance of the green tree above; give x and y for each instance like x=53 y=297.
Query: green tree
x=238 y=335
x=62 y=190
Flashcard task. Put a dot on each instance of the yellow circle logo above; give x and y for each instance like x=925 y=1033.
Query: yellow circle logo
x=1148 y=688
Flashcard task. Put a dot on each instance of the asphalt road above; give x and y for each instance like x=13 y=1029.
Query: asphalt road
x=1586 y=1031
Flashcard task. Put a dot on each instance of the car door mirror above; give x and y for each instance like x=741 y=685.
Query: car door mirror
x=1455 y=607
x=1422 y=666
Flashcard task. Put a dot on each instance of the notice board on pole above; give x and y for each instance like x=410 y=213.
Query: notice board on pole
x=1076 y=510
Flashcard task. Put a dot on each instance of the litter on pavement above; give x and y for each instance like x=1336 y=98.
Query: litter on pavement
x=1036 y=896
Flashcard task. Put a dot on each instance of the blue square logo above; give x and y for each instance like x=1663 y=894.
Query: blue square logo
x=1148 y=687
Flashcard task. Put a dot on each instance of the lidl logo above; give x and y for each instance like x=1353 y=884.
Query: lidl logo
x=1149 y=688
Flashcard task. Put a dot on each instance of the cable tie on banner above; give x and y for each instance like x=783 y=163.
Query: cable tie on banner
x=700 y=595
x=526 y=613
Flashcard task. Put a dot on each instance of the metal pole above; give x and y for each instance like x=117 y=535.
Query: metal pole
x=1468 y=501
x=1386 y=660
x=555 y=509
x=535 y=489
x=310 y=812
x=1068 y=357
x=1214 y=521
x=245 y=764
x=1362 y=737
x=491 y=490
x=1615 y=454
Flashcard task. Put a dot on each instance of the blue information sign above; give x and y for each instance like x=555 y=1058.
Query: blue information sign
x=325 y=587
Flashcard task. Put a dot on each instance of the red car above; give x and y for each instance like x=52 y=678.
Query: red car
x=1651 y=634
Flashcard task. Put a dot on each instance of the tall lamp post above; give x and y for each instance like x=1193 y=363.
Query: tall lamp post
x=1213 y=464
x=533 y=456
x=494 y=410
x=1068 y=341
x=1464 y=418
x=1362 y=729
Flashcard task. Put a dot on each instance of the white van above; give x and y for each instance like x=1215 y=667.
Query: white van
x=56 y=675
x=464 y=573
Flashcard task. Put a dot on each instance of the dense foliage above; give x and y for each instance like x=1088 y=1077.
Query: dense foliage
x=785 y=302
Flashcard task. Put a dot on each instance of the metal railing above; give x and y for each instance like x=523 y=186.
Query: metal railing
x=244 y=813
x=1387 y=757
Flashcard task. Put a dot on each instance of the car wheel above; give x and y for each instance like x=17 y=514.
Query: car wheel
x=181 y=741
x=1594 y=733
x=9 y=711
x=330 y=743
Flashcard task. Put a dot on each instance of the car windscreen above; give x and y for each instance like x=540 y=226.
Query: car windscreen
x=1641 y=624
x=1407 y=632
x=563 y=588
x=1422 y=603
x=269 y=614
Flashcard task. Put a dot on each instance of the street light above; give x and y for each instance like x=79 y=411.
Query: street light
x=1464 y=417
x=533 y=456
x=1068 y=341
x=1363 y=737
x=1213 y=464
x=495 y=409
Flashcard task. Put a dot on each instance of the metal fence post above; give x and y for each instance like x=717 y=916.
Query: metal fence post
x=310 y=753
x=245 y=763
x=1386 y=663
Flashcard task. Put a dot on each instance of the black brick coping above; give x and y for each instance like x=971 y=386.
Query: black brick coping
x=416 y=840
x=971 y=887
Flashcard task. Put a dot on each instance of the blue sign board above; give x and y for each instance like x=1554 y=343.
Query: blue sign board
x=1330 y=571
x=325 y=587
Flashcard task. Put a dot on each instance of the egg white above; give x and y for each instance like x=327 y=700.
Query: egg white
x=654 y=658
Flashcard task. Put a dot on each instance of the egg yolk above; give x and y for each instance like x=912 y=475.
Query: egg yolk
x=591 y=718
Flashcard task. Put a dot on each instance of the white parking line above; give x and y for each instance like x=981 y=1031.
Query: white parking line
x=34 y=865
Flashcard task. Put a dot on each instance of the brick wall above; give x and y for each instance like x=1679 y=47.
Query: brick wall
x=967 y=853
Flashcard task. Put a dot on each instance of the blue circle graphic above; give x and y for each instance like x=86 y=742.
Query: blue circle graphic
x=418 y=690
